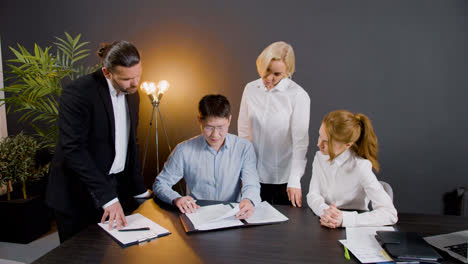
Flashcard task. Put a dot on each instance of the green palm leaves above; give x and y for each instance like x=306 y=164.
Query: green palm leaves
x=36 y=83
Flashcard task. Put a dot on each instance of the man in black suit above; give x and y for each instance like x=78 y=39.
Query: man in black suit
x=95 y=169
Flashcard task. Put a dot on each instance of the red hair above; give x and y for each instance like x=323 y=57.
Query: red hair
x=345 y=127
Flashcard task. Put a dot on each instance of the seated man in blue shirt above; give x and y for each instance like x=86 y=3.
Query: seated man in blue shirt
x=216 y=165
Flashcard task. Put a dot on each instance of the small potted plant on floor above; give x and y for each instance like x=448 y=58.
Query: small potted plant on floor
x=23 y=218
x=34 y=84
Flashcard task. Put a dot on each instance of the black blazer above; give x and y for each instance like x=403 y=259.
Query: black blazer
x=85 y=150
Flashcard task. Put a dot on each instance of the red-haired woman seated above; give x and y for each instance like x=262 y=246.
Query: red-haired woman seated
x=342 y=177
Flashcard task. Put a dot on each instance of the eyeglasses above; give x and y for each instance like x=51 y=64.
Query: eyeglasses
x=211 y=129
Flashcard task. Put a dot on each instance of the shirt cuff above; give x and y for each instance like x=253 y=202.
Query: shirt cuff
x=250 y=201
x=111 y=202
x=349 y=218
x=322 y=208
x=254 y=198
x=294 y=182
x=146 y=194
x=170 y=199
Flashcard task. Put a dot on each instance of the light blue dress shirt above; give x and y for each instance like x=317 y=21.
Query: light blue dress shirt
x=227 y=175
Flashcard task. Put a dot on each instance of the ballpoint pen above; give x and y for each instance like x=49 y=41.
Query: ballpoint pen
x=135 y=229
x=346 y=253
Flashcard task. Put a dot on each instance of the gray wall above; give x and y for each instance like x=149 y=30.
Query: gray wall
x=403 y=63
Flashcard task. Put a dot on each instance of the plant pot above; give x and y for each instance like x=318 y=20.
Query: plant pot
x=23 y=221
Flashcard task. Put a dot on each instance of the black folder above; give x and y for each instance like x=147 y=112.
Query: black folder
x=407 y=247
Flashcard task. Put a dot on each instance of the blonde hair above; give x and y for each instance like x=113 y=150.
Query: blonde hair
x=276 y=51
x=346 y=127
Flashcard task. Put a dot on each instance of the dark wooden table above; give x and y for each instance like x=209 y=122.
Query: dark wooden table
x=299 y=240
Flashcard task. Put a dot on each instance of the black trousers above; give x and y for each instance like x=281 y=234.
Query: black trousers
x=69 y=224
x=274 y=193
x=85 y=213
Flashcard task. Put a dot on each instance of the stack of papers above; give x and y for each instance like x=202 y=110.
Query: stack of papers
x=136 y=221
x=362 y=243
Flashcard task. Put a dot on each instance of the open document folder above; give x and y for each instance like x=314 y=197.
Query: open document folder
x=221 y=216
x=144 y=230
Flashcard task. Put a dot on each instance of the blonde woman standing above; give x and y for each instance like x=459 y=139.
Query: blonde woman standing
x=342 y=178
x=274 y=116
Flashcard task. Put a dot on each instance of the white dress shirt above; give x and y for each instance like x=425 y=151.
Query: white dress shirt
x=122 y=133
x=121 y=128
x=276 y=121
x=348 y=181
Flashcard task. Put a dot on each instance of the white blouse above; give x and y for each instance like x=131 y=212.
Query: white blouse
x=348 y=181
x=276 y=121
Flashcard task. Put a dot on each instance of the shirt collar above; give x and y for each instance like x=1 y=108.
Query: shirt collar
x=227 y=142
x=343 y=157
x=112 y=90
x=281 y=86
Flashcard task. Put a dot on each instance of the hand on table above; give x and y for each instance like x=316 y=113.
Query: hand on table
x=295 y=196
x=246 y=209
x=186 y=204
x=115 y=213
x=332 y=217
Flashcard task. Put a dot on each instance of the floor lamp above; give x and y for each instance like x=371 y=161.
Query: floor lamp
x=155 y=94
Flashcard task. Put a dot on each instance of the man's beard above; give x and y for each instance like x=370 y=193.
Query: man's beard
x=128 y=90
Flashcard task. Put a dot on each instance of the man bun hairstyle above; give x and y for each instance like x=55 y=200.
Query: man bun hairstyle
x=214 y=105
x=118 y=53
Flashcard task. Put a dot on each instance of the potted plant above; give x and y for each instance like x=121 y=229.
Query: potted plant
x=34 y=84
x=36 y=80
x=22 y=210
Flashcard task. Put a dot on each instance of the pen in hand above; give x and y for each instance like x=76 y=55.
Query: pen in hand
x=134 y=229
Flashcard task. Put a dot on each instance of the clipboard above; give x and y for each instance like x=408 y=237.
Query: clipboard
x=136 y=221
x=264 y=214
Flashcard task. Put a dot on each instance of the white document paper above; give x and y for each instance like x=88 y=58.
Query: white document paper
x=136 y=221
x=228 y=214
x=265 y=213
x=227 y=222
x=214 y=217
x=362 y=243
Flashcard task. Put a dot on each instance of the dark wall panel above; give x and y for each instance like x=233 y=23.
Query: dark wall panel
x=403 y=63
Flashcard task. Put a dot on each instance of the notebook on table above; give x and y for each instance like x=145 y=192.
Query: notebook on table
x=455 y=244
